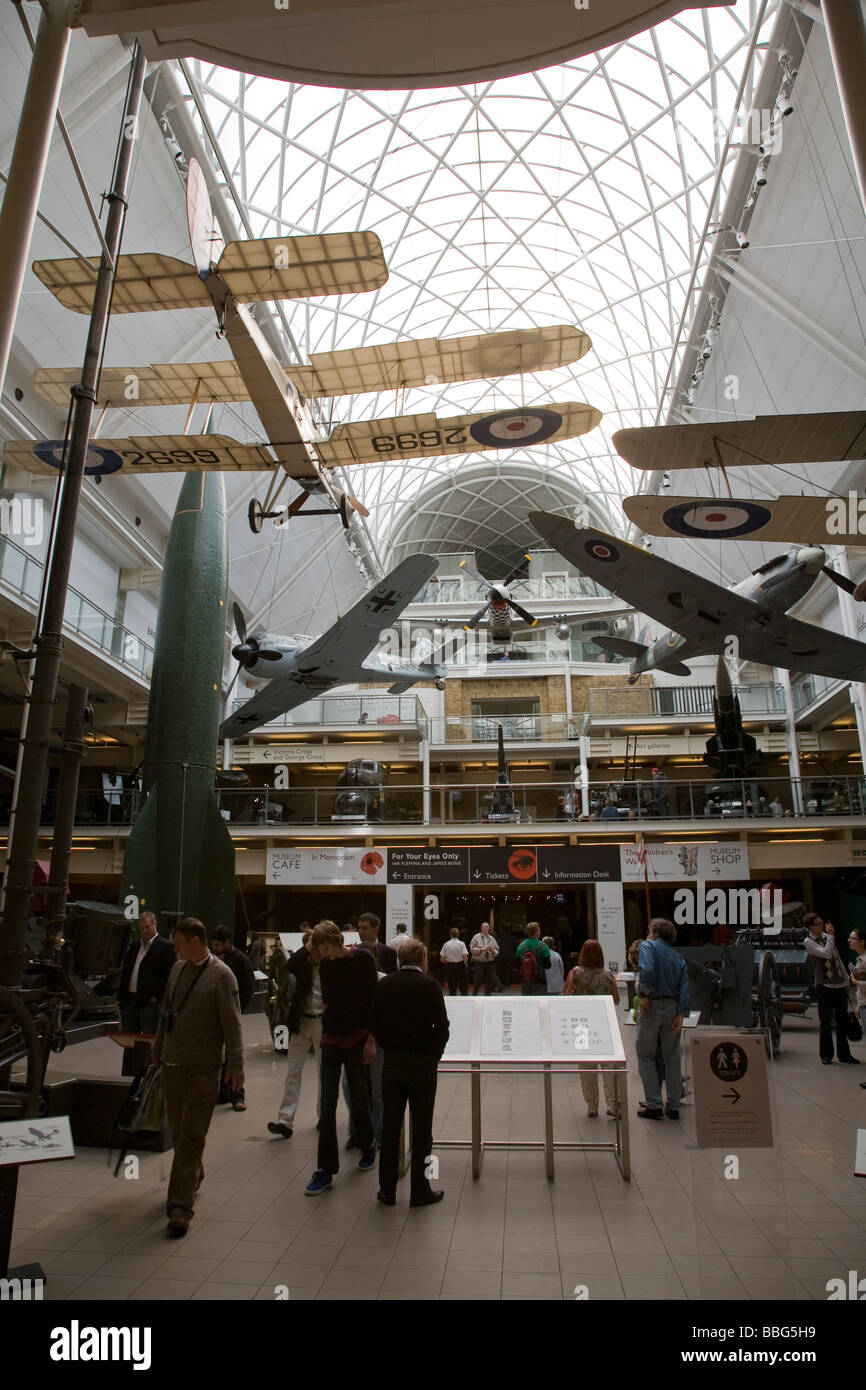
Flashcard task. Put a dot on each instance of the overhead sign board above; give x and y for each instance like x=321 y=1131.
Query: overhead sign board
x=428 y=865
x=309 y=867
x=673 y=863
x=732 y=1097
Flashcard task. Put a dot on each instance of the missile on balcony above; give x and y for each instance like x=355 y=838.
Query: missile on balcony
x=731 y=752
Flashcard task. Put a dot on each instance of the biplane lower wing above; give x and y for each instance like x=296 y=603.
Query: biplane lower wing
x=169 y=453
x=428 y=436
x=795 y=520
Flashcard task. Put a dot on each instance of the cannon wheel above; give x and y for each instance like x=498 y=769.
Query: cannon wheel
x=19 y=1043
x=279 y=999
x=770 y=1008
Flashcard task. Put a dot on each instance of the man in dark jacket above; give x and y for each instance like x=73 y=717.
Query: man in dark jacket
x=384 y=956
x=304 y=1023
x=146 y=968
x=348 y=989
x=238 y=963
x=410 y=1022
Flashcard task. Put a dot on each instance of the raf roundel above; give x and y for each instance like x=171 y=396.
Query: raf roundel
x=600 y=550
x=98 y=463
x=510 y=427
x=714 y=520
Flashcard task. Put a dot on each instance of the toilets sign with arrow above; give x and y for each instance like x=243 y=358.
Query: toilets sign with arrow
x=732 y=1099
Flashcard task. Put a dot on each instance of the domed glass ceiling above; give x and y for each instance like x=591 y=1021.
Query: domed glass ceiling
x=573 y=195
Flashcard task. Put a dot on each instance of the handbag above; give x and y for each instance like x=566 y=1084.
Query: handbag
x=852 y=1027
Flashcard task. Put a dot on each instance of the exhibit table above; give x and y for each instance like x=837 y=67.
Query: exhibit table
x=546 y=1036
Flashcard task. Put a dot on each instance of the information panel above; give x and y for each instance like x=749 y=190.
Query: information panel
x=584 y=1028
x=461 y=1014
x=510 y=1029
x=35 y=1141
x=732 y=1098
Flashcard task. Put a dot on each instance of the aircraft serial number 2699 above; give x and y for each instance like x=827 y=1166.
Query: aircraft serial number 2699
x=388 y=443
x=178 y=457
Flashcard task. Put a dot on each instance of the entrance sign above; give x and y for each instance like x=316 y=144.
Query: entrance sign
x=428 y=865
x=732 y=1098
x=610 y=924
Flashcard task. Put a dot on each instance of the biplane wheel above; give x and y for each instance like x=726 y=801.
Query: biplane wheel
x=771 y=1010
x=255 y=515
x=21 y=1067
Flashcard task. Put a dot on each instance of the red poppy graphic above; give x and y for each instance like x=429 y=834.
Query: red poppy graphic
x=372 y=862
x=522 y=864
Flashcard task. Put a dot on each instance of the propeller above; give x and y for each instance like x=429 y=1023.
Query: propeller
x=248 y=652
x=476 y=618
x=842 y=581
x=522 y=613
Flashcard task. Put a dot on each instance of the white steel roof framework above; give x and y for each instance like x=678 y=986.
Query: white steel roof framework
x=577 y=194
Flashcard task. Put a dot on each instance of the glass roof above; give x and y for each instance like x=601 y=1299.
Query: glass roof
x=572 y=195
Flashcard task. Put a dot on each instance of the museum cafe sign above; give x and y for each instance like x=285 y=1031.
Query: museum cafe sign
x=554 y=866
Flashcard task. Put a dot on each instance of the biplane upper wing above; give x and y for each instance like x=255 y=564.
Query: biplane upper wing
x=433 y=361
x=270 y=268
x=169 y=453
x=388 y=366
x=766 y=439
x=427 y=436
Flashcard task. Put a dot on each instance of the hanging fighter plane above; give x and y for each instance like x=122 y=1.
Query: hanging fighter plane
x=299 y=668
x=703 y=616
x=229 y=277
x=500 y=604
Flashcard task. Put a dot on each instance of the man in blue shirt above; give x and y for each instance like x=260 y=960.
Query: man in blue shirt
x=664 y=988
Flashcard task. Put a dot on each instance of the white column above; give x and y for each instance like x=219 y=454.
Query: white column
x=584 y=774
x=425 y=777
x=848 y=612
x=784 y=679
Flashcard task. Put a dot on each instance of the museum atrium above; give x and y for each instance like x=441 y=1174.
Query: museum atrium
x=690 y=199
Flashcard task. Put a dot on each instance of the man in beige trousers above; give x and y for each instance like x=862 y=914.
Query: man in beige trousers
x=201 y=1017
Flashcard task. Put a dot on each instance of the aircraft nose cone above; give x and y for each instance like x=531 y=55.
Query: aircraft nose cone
x=811 y=557
x=244 y=654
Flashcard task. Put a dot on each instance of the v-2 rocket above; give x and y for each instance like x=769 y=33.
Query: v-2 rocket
x=179 y=855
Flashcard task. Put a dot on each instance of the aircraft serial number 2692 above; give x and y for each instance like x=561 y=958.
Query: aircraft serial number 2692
x=387 y=443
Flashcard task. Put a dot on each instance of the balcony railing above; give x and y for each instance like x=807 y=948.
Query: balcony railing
x=352 y=711
x=806 y=689
x=485 y=729
x=658 y=701
x=770 y=800
x=23 y=574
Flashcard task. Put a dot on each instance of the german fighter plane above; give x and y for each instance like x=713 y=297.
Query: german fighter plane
x=701 y=615
x=299 y=668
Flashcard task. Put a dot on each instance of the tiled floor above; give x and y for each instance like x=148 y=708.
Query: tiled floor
x=794 y=1218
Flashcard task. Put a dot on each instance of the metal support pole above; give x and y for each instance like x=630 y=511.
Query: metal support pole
x=476 y=1119
x=425 y=778
x=584 y=775
x=49 y=642
x=67 y=796
x=846 y=36
x=548 y=1122
x=784 y=679
x=29 y=158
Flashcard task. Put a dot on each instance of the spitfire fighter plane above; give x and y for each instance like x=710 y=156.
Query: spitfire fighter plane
x=229 y=277
x=299 y=668
x=500 y=604
x=701 y=615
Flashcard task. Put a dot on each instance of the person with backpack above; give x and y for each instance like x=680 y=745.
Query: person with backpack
x=533 y=959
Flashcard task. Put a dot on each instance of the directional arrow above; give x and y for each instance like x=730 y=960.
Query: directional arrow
x=546 y=873
x=477 y=874
x=732 y=1095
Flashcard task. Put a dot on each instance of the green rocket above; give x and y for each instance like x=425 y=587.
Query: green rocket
x=179 y=855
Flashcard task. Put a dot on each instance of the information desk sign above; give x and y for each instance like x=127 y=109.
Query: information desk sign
x=732 y=1097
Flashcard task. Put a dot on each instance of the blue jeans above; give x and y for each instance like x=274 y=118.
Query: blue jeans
x=374 y=1073
x=654 y=1030
x=333 y=1060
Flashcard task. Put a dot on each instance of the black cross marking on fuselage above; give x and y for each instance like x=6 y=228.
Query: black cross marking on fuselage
x=380 y=601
